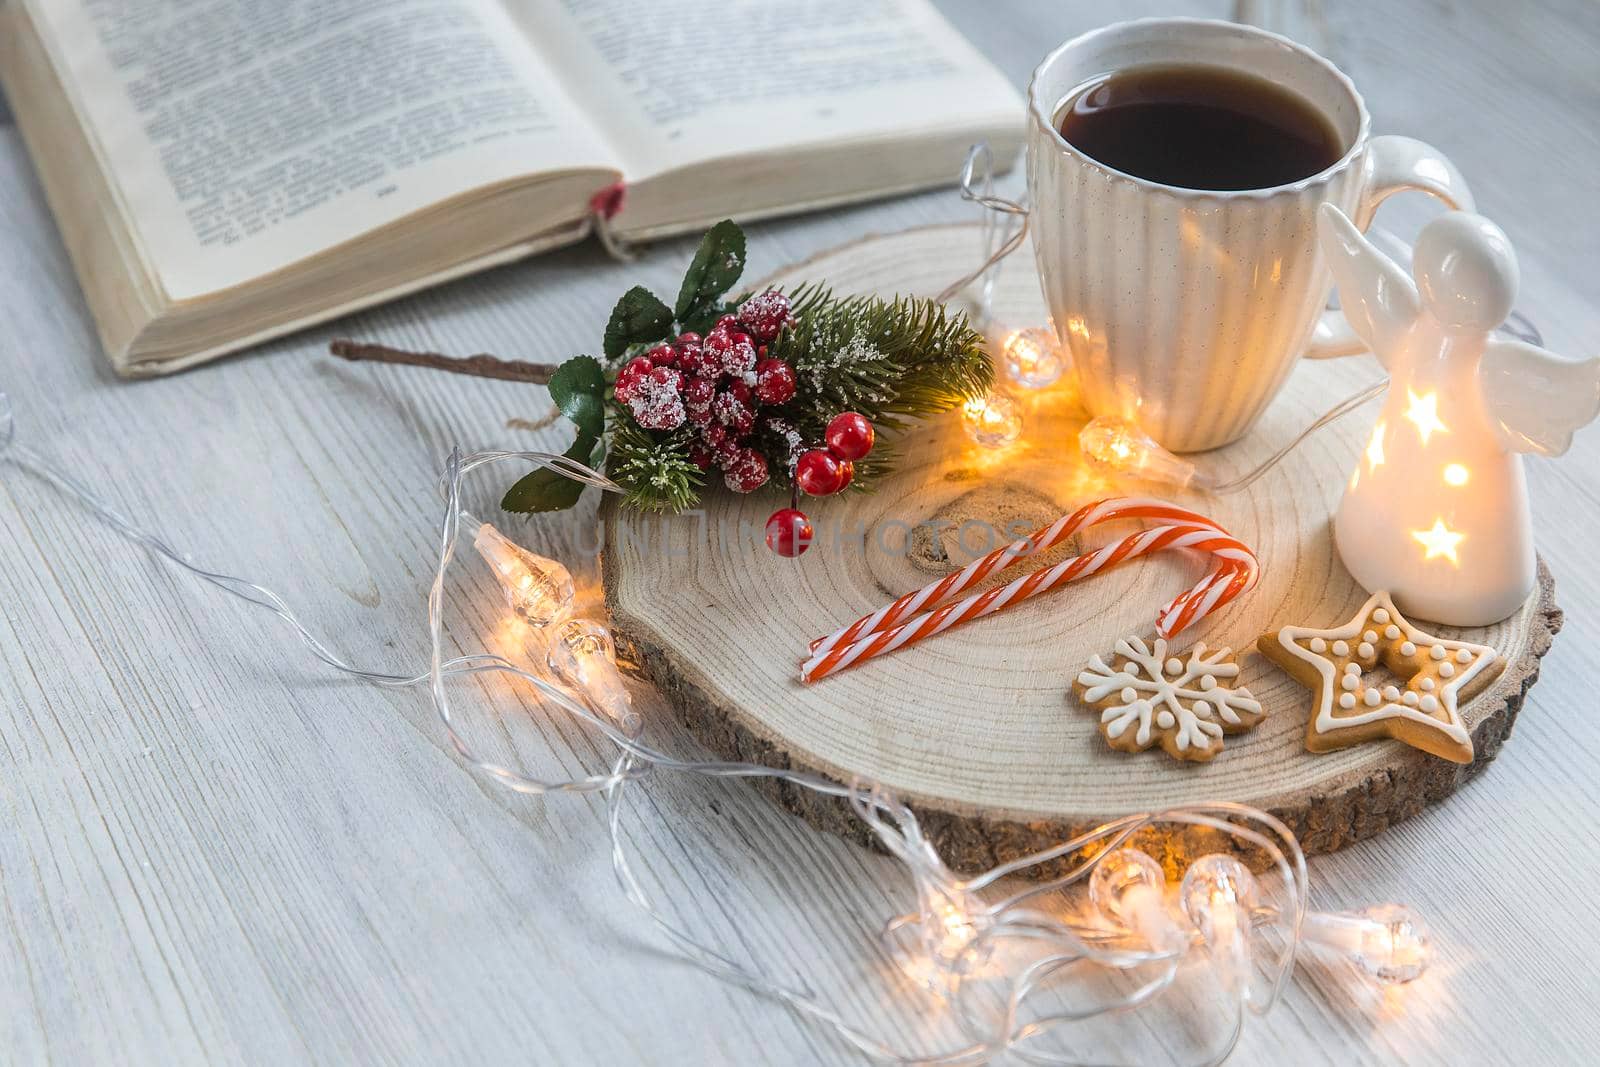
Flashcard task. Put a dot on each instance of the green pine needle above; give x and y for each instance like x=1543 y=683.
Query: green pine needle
x=654 y=468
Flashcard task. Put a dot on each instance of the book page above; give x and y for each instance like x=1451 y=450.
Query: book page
x=243 y=136
x=675 y=82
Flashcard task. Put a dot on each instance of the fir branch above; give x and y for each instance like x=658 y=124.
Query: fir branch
x=887 y=359
x=654 y=468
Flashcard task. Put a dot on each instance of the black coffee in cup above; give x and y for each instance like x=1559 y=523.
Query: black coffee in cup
x=1200 y=127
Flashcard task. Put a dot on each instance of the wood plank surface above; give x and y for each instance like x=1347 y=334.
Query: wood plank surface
x=210 y=851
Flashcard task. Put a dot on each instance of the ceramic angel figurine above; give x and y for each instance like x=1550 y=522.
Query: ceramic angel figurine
x=1436 y=511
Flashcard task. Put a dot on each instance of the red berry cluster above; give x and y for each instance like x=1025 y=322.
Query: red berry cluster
x=820 y=472
x=717 y=384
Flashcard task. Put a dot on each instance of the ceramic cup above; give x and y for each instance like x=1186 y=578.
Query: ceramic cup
x=1186 y=309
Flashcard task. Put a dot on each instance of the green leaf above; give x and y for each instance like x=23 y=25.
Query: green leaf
x=544 y=490
x=717 y=265
x=702 y=320
x=578 y=389
x=638 y=316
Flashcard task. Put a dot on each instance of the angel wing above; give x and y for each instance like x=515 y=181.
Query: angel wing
x=1377 y=297
x=1536 y=398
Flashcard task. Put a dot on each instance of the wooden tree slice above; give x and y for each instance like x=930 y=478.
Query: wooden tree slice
x=977 y=728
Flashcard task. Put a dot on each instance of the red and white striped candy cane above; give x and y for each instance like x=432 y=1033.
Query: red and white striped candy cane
x=935 y=594
x=1237 y=571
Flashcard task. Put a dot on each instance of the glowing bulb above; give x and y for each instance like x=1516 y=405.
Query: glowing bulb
x=1423 y=411
x=1439 y=541
x=1218 y=895
x=583 y=656
x=539 y=590
x=1455 y=474
x=1390 y=942
x=1129 y=888
x=1032 y=359
x=1116 y=446
x=1217 y=891
x=992 y=421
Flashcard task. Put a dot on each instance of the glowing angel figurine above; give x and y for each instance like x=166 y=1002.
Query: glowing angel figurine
x=1436 y=511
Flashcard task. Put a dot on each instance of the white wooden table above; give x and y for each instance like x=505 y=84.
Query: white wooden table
x=212 y=851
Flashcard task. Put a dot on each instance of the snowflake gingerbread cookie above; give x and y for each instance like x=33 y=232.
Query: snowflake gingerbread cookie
x=1145 y=696
x=1433 y=674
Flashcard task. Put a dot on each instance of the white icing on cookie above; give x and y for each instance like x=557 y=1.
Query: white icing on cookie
x=1429 y=700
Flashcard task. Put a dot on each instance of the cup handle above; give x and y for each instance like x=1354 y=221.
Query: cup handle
x=1395 y=163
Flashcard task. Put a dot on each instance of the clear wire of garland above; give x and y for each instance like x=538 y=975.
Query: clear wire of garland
x=955 y=935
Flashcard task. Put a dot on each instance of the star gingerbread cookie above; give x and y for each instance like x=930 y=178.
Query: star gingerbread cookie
x=1432 y=675
x=1184 y=703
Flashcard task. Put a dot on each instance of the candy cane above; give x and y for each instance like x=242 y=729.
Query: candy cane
x=935 y=594
x=1236 y=572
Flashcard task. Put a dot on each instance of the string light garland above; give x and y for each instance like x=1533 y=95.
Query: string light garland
x=973 y=942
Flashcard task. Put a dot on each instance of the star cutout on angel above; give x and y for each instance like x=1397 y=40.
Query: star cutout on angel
x=1439 y=541
x=1353 y=703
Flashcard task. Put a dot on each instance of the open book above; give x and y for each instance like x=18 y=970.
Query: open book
x=224 y=171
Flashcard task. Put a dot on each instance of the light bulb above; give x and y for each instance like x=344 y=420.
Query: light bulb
x=1217 y=892
x=1129 y=888
x=1390 y=941
x=1032 y=358
x=1117 y=446
x=583 y=656
x=993 y=421
x=539 y=590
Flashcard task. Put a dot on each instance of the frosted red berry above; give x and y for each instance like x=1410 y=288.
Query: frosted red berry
x=688 y=337
x=655 y=400
x=725 y=322
x=700 y=456
x=732 y=408
x=789 y=532
x=819 y=473
x=698 y=395
x=774 y=381
x=849 y=436
x=765 y=314
x=695 y=361
x=735 y=355
x=746 y=471
x=663 y=355
x=630 y=375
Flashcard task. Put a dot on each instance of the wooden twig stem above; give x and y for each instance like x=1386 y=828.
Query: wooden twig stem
x=481 y=365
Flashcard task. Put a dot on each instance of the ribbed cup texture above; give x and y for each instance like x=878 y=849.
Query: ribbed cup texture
x=1184 y=311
